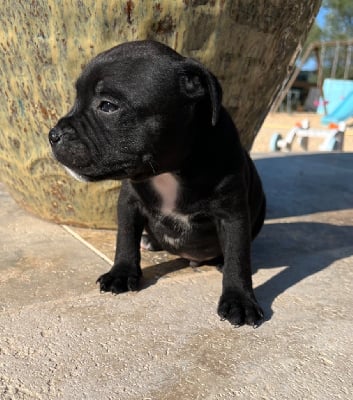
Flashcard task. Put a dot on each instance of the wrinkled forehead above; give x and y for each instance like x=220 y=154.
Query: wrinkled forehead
x=135 y=78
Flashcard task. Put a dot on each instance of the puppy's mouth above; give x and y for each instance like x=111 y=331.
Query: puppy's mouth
x=96 y=176
x=94 y=173
x=79 y=177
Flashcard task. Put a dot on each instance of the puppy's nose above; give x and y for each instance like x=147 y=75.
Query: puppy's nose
x=55 y=135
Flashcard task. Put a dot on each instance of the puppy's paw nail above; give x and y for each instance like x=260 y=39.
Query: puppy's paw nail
x=115 y=283
x=239 y=309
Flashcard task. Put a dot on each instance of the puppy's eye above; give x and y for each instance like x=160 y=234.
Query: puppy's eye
x=107 y=107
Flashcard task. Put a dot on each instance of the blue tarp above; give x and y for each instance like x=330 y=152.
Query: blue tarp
x=335 y=92
x=342 y=112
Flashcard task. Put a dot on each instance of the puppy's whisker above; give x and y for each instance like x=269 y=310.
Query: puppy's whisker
x=153 y=170
x=151 y=165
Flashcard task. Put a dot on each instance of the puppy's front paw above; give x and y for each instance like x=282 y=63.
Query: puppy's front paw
x=116 y=283
x=240 y=308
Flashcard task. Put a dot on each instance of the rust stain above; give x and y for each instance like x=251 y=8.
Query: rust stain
x=164 y=26
x=158 y=8
x=58 y=191
x=44 y=111
x=128 y=10
x=16 y=143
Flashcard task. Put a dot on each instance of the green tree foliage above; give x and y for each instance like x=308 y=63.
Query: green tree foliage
x=337 y=24
x=338 y=20
x=315 y=34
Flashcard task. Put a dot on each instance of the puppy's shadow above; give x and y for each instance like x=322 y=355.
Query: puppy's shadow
x=295 y=185
x=153 y=273
x=302 y=248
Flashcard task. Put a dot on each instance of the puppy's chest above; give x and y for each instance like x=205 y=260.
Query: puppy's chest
x=179 y=218
x=172 y=206
x=168 y=191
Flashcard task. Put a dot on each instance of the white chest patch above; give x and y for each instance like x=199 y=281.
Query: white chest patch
x=168 y=187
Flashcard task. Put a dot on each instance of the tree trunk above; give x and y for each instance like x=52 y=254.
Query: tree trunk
x=250 y=45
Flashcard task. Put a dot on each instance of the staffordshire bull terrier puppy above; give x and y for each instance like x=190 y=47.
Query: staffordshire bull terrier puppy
x=154 y=119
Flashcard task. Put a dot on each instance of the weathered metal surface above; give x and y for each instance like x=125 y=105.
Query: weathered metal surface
x=249 y=44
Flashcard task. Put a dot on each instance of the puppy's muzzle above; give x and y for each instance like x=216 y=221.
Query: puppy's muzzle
x=68 y=148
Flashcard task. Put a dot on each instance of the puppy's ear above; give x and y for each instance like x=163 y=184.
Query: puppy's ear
x=198 y=83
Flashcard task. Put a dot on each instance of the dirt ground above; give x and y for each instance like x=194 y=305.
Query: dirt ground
x=283 y=122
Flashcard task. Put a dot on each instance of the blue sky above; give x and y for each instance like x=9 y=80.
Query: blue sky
x=310 y=65
x=320 y=19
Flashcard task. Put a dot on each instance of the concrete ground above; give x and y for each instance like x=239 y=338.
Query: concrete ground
x=61 y=339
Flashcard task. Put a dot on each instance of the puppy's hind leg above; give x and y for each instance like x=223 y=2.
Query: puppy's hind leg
x=148 y=242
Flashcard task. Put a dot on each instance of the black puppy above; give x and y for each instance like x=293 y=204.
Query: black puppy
x=154 y=119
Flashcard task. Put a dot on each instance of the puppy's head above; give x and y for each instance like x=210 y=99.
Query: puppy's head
x=133 y=113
